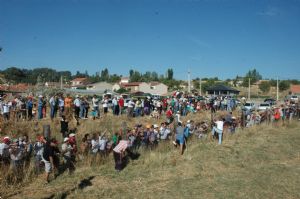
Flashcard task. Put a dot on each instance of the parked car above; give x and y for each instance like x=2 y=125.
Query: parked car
x=271 y=101
x=249 y=106
x=264 y=106
x=294 y=98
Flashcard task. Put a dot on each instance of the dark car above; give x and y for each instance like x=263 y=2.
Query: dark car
x=270 y=101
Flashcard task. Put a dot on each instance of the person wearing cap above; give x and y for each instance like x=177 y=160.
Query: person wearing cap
x=67 y=153
x=4 y=151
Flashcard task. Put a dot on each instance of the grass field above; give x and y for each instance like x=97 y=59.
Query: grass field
x=261 y=162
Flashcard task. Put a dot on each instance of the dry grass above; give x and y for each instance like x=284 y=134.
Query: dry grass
x=261 y=162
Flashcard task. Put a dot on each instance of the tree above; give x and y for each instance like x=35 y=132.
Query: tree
x=135 y=77
x=254 y=77
x=104 y=75
x=196 y=84
x=265 y=86
x=170 y=74
x=284 y=85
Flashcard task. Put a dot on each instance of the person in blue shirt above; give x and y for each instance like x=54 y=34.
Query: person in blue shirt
x=40 y=107
x=29 y=108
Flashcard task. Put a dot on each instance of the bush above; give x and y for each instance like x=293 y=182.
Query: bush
x=265 y=87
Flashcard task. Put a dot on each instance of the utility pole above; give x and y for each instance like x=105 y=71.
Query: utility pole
x=200 y=83
x=189 y=81
x=249 y=89
x=277 y=90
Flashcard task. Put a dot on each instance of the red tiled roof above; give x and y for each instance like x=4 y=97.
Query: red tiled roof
x=295 y=88
x=79 y=79
x=15 y=88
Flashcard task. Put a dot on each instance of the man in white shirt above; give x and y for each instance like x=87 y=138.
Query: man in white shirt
x=130 y=108
x=218 y=129
x=77 y=103
x=95 y=103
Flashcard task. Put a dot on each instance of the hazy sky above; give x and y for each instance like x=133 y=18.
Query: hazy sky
x=210 y=37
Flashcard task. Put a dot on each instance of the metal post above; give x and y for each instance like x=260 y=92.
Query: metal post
x=200 y=86
x=249 y=90
x=277 y=90
x=189 y=81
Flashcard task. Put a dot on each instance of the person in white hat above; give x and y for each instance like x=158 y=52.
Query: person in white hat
x=67 y=152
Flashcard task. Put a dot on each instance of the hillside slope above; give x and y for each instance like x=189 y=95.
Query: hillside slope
x=262 y=162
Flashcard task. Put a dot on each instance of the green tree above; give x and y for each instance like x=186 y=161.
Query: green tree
x=265 y=86
x=135 y=77
x=254 y=77
x=170 y=74
x=104 y=75
x=284 y=85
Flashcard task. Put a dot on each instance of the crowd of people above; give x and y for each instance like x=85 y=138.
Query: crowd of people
x=48 y=153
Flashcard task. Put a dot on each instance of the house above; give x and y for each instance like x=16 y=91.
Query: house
x=221 y=90
x=135 y=87
x=152 y=87
x=295 y=89
x=79 y=81
x=100 y=86
x=124 y=80
x=158 y=88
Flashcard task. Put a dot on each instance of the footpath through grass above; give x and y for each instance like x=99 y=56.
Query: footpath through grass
x=261 y=162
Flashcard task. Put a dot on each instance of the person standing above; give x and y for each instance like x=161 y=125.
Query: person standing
x=52 y=107
x=29 y=108
x=116 y=108
x=40 y=107
x=67 y=152
x=47 y=158
x=121 y=105
x=218 y=129
x=179 y=137
x=77 y=104
x=105 y=105
x=95 y=104
x=61 y=105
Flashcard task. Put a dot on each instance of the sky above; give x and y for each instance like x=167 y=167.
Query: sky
x=222 y=38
